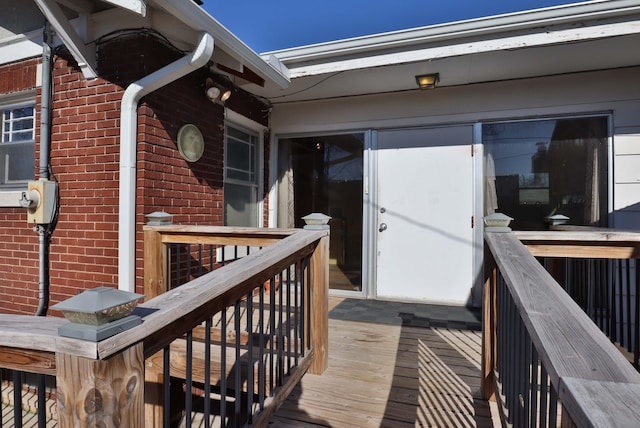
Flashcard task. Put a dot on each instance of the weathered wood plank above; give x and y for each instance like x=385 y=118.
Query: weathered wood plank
x=597 y=235
x=582 y=251
x=272 y=404
x=178 y=363
x=600 y=404
x=155 y=265
x=569 y=343
x=319 y=306
x=98 y=393
x=391 y=375
x=595 y=243
x=41 y=334
x=177 y=238
x=220 y=235
x=28 y=361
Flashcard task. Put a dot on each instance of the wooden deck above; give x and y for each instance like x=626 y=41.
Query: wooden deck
x=384 y=375
x=380 y=375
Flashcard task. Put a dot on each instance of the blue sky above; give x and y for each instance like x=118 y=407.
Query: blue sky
x=269 y=25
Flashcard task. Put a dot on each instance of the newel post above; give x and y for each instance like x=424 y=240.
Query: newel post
x=320 y=306
x=487 y=384
x=319 y=294
x=100 y=393
x=154 y=263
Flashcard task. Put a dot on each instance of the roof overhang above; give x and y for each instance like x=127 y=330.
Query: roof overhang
x=181 y=21
x=541 y=42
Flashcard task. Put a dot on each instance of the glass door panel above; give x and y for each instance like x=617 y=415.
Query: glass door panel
x=325 y=174
x=536 y=169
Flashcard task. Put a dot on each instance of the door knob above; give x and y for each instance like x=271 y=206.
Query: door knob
x=383 y=227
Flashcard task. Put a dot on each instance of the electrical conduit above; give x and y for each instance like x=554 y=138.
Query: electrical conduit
x=128 y=148
x=45 y=139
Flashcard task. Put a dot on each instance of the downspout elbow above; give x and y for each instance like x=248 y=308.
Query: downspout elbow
x=128 y=148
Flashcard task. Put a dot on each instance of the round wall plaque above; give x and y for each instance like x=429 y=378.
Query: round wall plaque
x=190 y=142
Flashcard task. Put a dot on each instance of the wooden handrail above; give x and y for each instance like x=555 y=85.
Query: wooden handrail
x=169 y=315
x=576 y=354
x=32 y=344
x=172 y=314
x=157 y=237
x=582 y=243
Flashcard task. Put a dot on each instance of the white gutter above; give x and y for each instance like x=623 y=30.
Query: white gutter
x=128 y=149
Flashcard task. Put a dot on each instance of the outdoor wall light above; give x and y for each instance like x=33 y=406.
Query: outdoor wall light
x=216 y=92
x=428 y=81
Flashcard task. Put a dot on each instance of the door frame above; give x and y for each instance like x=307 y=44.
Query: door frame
x=370 y=202
x=477 y=208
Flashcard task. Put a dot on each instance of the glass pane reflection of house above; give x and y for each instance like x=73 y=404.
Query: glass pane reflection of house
x=546 y=167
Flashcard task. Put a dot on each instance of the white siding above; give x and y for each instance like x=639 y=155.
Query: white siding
x=611 y=91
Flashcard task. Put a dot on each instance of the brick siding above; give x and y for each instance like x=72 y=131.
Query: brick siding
x=85 y=161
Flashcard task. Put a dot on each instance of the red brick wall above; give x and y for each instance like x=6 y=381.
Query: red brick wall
x=18 y=242
x=85 y=162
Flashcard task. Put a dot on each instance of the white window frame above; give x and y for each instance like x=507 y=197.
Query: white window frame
x=244 y=124
x=11 y=190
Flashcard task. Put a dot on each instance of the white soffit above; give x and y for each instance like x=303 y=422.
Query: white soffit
x=84 y=55
x=21 y=46
x=461 y=49
x=137 y=6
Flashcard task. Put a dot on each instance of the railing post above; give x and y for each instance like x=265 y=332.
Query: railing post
x=155 y=282
x=98 y=393
x=320 y=306
x=488 y=326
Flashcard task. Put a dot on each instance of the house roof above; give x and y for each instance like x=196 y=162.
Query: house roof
x=180 y=21
x=540 y=42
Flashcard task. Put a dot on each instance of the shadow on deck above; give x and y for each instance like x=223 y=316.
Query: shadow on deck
x=394 y=364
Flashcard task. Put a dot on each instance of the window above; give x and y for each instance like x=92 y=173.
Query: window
x=240 y=177
x=17 y=159
x=538 y=168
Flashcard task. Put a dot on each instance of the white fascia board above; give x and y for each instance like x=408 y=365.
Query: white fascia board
x=137 y=6
x=21 y=46
x=448 y=51
x=481 y=27
x=84 y=55
x=198 y=19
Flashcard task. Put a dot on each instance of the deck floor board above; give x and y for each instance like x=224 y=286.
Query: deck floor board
x=385 y=375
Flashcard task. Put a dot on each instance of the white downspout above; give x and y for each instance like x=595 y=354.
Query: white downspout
x=128 y=148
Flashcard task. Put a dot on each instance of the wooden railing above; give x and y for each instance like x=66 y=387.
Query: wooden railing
x=544 y=360
x=129 y=379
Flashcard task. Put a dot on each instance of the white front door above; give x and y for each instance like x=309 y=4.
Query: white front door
x=424 y=214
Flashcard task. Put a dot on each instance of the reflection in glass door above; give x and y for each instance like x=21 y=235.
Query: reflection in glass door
x=324 y=174
x=537 y=169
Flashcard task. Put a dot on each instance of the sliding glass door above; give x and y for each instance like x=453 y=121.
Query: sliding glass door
x=535 y=169
x=325 y=174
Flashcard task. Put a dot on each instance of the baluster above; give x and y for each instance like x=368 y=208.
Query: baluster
x=207 y=372
x=188 y=396
x=250 y=365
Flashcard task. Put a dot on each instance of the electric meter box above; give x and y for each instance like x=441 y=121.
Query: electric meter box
x=43 y=213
